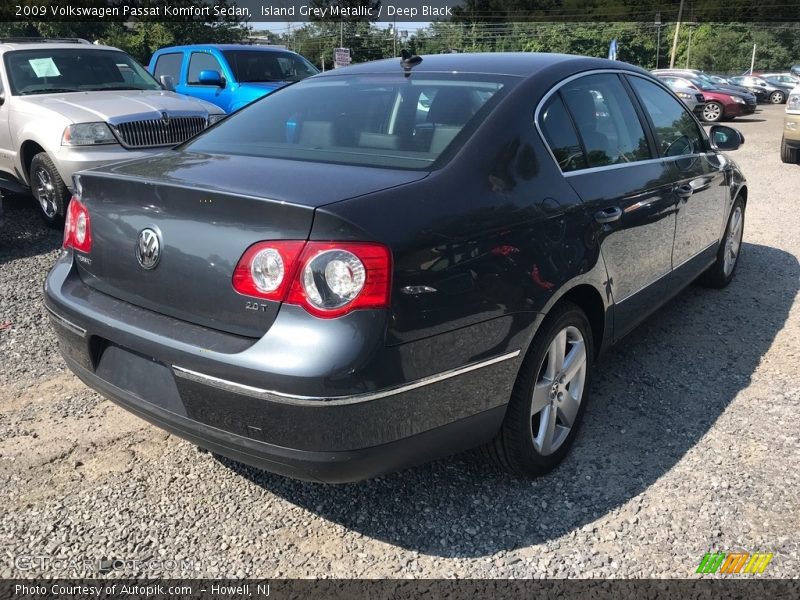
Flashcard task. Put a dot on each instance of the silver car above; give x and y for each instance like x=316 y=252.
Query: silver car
x=68 y=105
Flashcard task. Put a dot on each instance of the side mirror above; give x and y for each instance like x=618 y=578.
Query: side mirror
x=210 y=78
x=725 y=138
x=167 y=82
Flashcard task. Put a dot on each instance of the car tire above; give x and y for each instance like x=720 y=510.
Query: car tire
x=49 y=190
x=713 y=112
x=721 y=272
x=777 y=97
x=545 y=410
x=789 y=155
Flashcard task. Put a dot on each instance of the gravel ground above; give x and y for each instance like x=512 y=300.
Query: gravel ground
x=690 y=445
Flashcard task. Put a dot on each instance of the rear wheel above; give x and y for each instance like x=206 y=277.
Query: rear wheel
x=49 y=190
x=721 y=272
x=777 y=97
x=713 y=112
x=549 y=396
x=788 y=154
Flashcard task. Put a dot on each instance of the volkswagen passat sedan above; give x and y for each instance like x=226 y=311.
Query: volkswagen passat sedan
x=395 y=261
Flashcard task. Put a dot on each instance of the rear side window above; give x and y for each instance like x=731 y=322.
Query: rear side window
x=201 y=61
x=168 y=64
x=607 y=122
x=676 y=131
x=560 y=134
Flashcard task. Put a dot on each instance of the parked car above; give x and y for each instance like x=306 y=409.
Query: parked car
x=786 y=78
x=693 y=100
x=70 y=105
x=328 y=285
x=776 y=92
x=708 y=81
x=720 y=104
x=790 y=142
x=761 y=93
x=229 y=75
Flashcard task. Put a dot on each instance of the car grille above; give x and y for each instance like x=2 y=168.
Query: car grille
x=700 y=97
x=158 y=132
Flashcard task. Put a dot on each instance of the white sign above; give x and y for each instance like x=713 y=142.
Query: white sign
x=341 y=57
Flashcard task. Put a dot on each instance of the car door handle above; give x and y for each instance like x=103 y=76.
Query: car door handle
x=608 y=215
x=684 y=191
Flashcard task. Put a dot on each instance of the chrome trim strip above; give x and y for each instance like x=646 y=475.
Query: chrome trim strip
x=66 y=323
x=273 y=396
x=672 y=270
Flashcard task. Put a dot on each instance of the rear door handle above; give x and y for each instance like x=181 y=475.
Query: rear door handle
x=684 y=191
x=608 y=215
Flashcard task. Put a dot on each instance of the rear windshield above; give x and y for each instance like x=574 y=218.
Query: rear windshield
x=379 y=120
x=62 y=70
x=252 y=66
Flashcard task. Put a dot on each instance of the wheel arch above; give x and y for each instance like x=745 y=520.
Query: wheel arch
x=27 y=151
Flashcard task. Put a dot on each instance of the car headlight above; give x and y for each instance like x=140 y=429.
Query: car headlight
x=87 y=134
x=793 y=103
x=216 y=118
x=738 y=100
x=683 y=95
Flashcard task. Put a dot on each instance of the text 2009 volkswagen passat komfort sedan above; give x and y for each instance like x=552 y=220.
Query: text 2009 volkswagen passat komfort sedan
x=395 y=261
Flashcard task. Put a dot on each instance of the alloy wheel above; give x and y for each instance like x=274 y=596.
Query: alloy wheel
x=45 y=192
x=776 y=98
x=558 y=390
x=712 y=112
x=733 y=241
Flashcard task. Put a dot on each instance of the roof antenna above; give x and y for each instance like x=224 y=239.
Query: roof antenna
x=408 y=61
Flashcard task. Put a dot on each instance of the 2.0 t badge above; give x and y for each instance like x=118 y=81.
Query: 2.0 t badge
x=148 y=248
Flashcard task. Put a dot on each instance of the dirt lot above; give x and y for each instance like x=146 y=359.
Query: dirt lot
x=690 y=445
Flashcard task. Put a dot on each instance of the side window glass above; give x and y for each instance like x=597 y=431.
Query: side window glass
x=606 y=119
x=560 y=135
x=200 y=61
x=169 y=64
x=676 y=131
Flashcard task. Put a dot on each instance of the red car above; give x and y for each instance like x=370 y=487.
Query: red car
x=720 y=104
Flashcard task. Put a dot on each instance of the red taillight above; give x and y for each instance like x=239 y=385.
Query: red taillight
x=328 y=279
x=266 y=269
x=77 y=228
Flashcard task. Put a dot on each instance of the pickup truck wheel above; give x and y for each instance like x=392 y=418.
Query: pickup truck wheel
x=788 y=154
x=49 y=190
x=721 y=272
x=549 y=396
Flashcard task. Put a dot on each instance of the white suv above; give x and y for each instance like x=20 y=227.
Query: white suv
x=68 y=105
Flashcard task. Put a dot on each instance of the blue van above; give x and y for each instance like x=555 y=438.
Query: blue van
x=228 y=75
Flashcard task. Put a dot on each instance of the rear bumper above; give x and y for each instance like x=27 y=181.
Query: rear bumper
x=214 y=398
x=317 y=466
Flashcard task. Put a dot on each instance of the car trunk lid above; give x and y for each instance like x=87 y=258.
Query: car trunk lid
x=206 y=211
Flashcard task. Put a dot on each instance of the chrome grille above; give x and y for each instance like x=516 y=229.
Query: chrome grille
x=158 y=132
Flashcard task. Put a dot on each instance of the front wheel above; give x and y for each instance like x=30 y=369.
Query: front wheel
x=549 y=396
x=788 y=154
x=49 y=190
x=721 y=272
x=777 y=97
x=713 y=112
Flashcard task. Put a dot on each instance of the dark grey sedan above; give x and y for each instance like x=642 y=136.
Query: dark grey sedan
x=396 y=261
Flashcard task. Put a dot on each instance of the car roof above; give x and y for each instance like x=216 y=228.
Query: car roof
x=223 y=47
x=522 y=64
x=8 y=46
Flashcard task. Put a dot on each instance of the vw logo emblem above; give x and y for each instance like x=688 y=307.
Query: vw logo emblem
x=148 y=248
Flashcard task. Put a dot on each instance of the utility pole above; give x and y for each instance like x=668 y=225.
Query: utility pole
x=658 y=36
x=691 y=26
x=675 y=39
x=753 y=60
